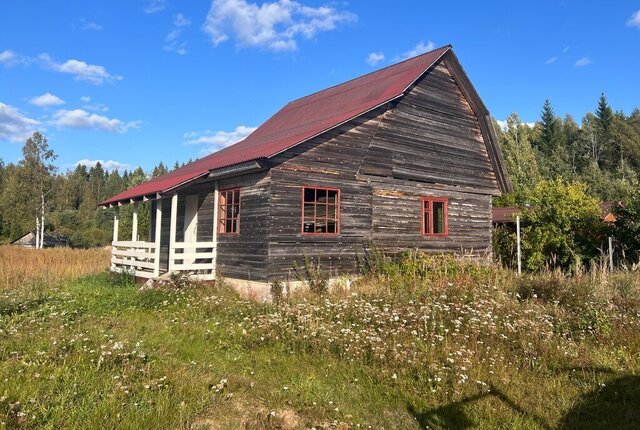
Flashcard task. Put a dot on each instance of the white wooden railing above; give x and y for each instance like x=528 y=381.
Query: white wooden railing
x=197 y=259
x=137 y=258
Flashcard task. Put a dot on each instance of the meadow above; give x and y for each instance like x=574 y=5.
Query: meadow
x=423 y=342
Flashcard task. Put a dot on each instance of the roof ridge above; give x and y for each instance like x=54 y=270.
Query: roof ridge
x=447 y=46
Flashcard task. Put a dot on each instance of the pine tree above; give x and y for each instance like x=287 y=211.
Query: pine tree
x=604 y=114
x=551 y=145
x=159 y=170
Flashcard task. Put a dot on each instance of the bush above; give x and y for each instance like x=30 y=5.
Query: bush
x=562 y=228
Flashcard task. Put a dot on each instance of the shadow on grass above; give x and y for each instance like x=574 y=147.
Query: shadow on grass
x=453 y=416
x=614 y=405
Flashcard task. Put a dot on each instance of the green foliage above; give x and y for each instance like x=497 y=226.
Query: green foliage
x=71 y=197
x=521 y=161
x=562 y=228
x=277 y=291
x=626 y=230
x=312 y=275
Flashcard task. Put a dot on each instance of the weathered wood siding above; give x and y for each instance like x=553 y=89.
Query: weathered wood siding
x=245 y=255
x=397 y=219
x=432 y=135
x=428 y=143
x=331 y=160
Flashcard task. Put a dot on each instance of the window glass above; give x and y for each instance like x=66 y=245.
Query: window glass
x=434 y=216
x=229 y=212
x=320 y=210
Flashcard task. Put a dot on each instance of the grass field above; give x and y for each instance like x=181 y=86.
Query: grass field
x=426 y=343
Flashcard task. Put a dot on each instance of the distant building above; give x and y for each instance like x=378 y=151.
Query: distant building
x=51 y=240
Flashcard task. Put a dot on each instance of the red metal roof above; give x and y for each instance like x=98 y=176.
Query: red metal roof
x=299 y=121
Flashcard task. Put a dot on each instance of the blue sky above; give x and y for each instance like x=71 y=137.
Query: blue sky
x=134 y=82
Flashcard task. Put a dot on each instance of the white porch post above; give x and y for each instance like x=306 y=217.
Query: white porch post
x=156 y=270
x=215 y=229
x=172 y=229
x=116 y=222
x=134 y=223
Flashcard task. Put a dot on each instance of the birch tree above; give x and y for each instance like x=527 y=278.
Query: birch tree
x=37 y=168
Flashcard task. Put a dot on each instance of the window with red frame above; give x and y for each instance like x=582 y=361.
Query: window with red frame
x=229 y=211
x=434 y=216
x=320 y=210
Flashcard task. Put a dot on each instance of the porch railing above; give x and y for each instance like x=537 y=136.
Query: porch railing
x=197 y=259
x=137 y=258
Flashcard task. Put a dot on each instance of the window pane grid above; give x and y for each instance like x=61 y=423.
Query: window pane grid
x=320 y=211
x=229 y=212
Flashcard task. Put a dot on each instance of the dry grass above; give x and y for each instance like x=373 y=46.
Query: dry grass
x=21 y=265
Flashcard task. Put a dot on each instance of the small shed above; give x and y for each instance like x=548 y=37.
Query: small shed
x=51 y=240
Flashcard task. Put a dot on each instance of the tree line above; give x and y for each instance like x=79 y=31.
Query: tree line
x=34 y=194
x=562 y=172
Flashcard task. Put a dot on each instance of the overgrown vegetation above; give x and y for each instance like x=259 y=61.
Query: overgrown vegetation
x=561 y=171
x=417 y=342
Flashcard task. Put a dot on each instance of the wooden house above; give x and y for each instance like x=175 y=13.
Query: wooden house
x=50 y=240
x=404 y=157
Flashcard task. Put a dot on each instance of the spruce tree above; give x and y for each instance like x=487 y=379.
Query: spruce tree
x=604 y=114
x=551 y=145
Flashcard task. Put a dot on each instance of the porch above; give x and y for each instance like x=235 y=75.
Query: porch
x=182 y=236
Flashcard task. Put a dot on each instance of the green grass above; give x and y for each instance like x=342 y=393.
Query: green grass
x=98 y=353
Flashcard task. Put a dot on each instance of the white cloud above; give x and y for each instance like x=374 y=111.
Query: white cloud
x=8 y=58
x=219 y=139
x=107 y=165
x=83 y=24
x=171 y=41
x=584 y=61
x=551 y=60
x=96 y=107
x=374 y=58
x=504 y=125
x=272 y=25
x=81 y=119
x=634 y=21
x=155 y=6
x=46 y=100
x=14 y=126
x=80 y=70
x=420 y=48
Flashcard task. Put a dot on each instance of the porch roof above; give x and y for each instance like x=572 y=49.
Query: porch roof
x=298 y=121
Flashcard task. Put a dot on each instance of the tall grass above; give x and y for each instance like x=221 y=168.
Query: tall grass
x=19 y=266
x=417 y=342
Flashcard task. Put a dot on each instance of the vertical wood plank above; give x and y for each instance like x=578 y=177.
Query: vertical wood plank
x=172 y=229
x=215 y=228
x=156 y=271
x=134 y=223
x=116 y=222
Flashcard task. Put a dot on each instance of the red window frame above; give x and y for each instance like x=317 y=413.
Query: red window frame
x=315 y=217
x=426 y=206
x=223 y=210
